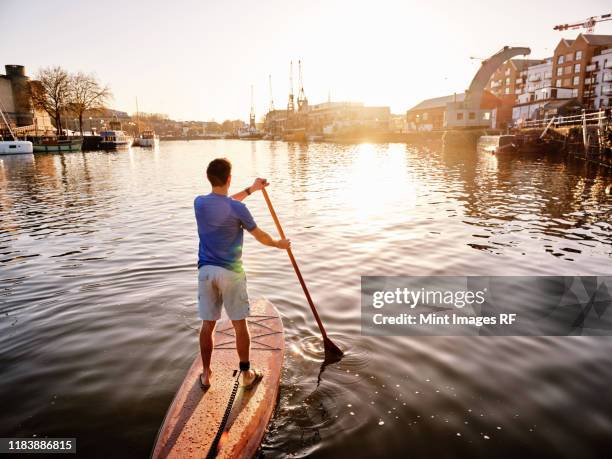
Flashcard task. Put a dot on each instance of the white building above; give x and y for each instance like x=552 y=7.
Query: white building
x=539 y=90
x=599 y=79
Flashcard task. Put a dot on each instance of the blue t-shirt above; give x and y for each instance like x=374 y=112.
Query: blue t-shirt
x=221 y=220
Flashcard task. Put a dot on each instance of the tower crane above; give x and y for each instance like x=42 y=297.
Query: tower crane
x=588 y=23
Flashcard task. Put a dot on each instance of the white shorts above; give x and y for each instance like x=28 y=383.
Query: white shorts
x=221 y=287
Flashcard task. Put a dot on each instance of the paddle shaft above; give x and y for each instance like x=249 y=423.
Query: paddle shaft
x=295 y=266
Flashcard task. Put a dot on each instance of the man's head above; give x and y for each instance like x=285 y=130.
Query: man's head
x=219 y=172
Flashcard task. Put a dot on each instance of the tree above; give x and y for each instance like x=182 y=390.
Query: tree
x=52 y=93
x=86 y=93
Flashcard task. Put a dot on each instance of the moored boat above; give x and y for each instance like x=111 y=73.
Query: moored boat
x=497 y=144
x=148 y=139
x=114 y=140
x=15 y=147
x=58 y=144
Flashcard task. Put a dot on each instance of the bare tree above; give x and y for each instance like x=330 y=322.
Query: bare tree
x=52 y=93
x=86 y=93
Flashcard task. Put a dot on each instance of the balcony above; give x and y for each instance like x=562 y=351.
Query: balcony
x=536 y=77
x=591 y=68
x=608 y=65
x=589 y=80
x=607 y=77
x=519 y=81
x=606 y=90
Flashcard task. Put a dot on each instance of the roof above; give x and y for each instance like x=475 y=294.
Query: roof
x=439 y=102
x=597 y=40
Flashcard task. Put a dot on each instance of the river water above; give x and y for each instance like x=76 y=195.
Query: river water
x=98 y=284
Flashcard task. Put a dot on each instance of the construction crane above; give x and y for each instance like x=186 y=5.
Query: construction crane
x=290 y=105
x=588 y=24
x=252 y=115
x=302 y=101
x=271 y=97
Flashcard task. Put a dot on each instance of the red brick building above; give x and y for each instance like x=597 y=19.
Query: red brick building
x=570 y=62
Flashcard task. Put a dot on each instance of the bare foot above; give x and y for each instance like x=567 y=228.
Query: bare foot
x=205 y=377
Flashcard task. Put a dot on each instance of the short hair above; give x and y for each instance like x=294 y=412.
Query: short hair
x=218 y=171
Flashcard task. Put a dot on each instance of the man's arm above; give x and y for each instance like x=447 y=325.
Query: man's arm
x=258 y=184
x=265 y=239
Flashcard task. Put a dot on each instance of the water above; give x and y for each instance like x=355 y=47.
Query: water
x=97 y=288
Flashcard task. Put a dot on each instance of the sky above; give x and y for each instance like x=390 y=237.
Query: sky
x=197 y=59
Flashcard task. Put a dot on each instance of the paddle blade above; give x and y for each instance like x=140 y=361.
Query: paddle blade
x=331 y=347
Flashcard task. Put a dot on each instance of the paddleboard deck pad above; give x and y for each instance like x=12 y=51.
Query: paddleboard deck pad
x=195 y=415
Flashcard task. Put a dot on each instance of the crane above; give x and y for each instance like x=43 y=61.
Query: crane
x=588 y=23
x=290 y=106
x=271 y=97
x=301 y=100
x=252 y=114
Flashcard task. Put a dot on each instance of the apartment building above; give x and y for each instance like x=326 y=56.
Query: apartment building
x=570 y=62
x=598 y=79
x=538 y=92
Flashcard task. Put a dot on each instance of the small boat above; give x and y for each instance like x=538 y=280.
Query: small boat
x=497 y=144
x=225 y=420
x=249 y=134
x=148 y=139
x=15 y=147
x=58 y=144
x=115 y=140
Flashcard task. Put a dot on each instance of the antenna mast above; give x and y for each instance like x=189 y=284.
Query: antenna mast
x=302 y=101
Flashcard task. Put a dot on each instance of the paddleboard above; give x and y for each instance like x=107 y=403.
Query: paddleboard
x=194 y=417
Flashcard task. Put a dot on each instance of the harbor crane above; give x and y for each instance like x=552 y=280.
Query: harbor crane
x=301 y=100
x=290 y=104
x=271 y=97
x=252 y=114
x=588 y=23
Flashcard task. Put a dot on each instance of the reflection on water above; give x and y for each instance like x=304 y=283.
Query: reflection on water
x=97 y=298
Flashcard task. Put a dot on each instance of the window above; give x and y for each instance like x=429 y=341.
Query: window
x=459 y=116
x=560 y=60
x=472 y=115
x=486 y=116
x=559 y=71
x=507 y=81
x=576 y=81
x=578 y=55
x=574 y=92
x=507 y=72
x=577 y=68
x=559 y=83
x=507 y=91
x=569 y=57
x=553 y=93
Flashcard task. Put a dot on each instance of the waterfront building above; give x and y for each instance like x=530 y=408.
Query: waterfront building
x=598 y=79
x=538 y=92
x=16 y=102
x=339 y=117
x=446 y=112
x=570 y=62
x=509 y=82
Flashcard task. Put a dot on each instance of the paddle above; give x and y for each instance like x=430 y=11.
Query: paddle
x=328 y=343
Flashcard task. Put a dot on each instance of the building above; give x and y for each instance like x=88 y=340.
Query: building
x=570 y=62
x=16 y=102
x=538 y=91
x=448 y=112
x=598 y=79
x=509 y=82
x=339 y=117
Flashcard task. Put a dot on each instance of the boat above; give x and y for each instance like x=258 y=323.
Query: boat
x=148 y=138
x=249 y=134
x=225 y=420
x=114 y=140
x=497 y=144
x=58 y=144
x=13 y=147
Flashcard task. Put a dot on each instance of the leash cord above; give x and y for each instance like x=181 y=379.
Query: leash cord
x=212 y=452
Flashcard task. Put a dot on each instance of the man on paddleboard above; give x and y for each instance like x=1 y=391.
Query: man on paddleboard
x=221 y=220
